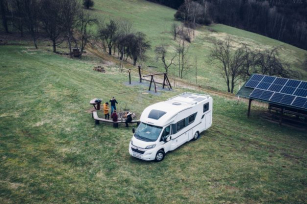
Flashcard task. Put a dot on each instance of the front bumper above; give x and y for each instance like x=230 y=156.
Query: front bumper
x=143 y=154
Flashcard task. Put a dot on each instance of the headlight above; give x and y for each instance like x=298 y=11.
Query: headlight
x=150 y=146
x=131 y=142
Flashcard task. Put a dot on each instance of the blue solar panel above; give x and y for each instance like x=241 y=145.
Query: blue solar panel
x=256 y=93
x=287 y=99
x=266 y=95
x=263 y=85
x=268 y=79
x=301 y=92
x=277 y=97
x=303 y=85
x=288 y=90
x=284 y=91
x=251 y=83
x=299 y=102
x=257 y=77
x=280 y=81
x=275 y=87
x=293 y=83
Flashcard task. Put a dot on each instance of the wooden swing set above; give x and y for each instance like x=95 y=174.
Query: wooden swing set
x=165 y=82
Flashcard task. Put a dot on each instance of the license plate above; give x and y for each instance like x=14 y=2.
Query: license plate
x=136 y=155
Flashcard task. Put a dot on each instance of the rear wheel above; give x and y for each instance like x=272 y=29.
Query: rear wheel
x=196 y=136
x=160 y=155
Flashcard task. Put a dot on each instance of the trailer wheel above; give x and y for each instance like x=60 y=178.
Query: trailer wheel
x=196 y=136
x=160 y=155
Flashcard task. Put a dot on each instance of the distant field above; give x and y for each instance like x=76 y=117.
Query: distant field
x=51 y=151
x=156 y=21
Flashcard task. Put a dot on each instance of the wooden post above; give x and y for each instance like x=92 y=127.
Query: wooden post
x=140 y=74
x=249 y=107
x=155 y=85
x=150 y=82
x=164 y=81
x=129 y=76
x=169 y=83
x=281 y=115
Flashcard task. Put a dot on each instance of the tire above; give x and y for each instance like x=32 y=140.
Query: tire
x=196 y=136
x=160 y=155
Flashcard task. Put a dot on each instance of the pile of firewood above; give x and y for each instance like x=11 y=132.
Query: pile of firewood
x=99 y=69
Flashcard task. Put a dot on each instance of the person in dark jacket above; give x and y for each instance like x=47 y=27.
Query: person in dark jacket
x=114 y=117
x=113 y=104
x=129 y=118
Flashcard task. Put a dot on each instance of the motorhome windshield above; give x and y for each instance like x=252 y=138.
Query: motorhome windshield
x=147 y=132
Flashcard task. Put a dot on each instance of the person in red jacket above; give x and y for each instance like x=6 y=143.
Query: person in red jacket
x=114 y=117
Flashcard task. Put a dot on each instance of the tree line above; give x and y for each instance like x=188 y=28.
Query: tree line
x=69 y=21
x=284 y=20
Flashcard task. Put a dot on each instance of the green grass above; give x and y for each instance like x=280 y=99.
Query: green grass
x=51 y=151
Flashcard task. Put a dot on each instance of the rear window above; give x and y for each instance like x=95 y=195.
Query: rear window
x=156 y=114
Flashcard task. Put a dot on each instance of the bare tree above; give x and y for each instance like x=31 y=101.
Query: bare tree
x=4 y=10
x=231 y=63
x=108 y=34
x=174 y=30
x=161 y=53
x=70 y=16
x=84 y=33
x=268 y=62
x=139 y=45
x=305 y=63
x=183 y=58
x=51 y=18
x=31 y=18
x=17 y=13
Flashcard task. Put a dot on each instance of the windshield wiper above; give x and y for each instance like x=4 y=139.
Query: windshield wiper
x=143 y=138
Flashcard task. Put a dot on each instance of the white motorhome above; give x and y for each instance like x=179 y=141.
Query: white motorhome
x=166 y=125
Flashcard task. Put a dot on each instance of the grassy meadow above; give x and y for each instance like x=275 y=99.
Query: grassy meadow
x=52 y=152
x=156 y=22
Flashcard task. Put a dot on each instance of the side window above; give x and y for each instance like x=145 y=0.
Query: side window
x=180 y=125
x=174 y=128
x=206 y=107
x=192 y=118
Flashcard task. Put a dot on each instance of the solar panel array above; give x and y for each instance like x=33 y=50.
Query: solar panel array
x=278 y=90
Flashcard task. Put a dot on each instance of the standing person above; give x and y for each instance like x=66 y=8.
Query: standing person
x=129 y=118
x=106 y=110
x=114 y=117
x=113 y=104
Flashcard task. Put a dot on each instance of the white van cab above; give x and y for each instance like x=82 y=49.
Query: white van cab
x=166 y=125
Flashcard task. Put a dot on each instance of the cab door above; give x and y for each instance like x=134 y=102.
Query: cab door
x=166 y=140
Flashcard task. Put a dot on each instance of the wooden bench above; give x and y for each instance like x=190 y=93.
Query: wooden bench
x=97 y=119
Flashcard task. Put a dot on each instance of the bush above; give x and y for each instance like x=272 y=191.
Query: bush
x=88 y=3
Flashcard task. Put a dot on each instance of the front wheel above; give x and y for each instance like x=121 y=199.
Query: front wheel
x=160 y=155
x=196 y=136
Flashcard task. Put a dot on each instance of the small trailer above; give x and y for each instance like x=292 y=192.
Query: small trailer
x=166 y=125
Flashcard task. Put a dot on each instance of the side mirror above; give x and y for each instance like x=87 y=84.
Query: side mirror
x=133 y=130
x=168 y=138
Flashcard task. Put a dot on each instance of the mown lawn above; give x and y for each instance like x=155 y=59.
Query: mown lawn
x=51 y=151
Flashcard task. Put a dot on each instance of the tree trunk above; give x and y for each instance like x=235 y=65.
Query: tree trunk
x=54 y=46
x=3 y=16
x=110 y=50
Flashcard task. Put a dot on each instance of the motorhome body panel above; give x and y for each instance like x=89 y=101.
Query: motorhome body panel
x=184 y=115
